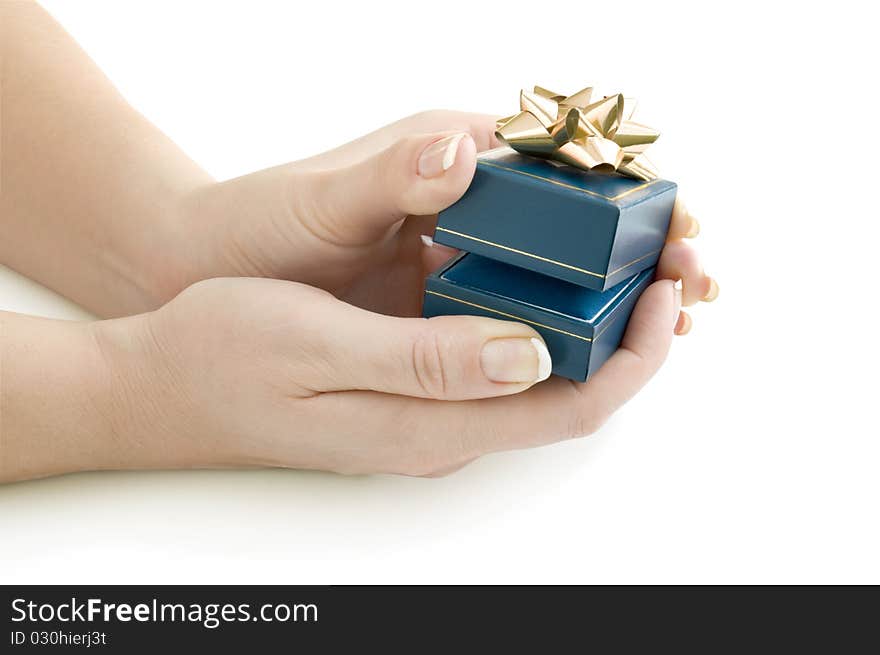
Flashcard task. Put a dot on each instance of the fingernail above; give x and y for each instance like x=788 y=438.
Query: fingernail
x=428 y=241
x=713 y=291
x=545 y=363
x=686 y=325
x=516 y=360
x=694 y=229
x=439 y=157
x=676 y=302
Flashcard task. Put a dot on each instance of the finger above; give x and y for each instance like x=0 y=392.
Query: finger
x=679 y=261
x=420 y=175
x=434 y=255
x=643 y=350
x=481 y=127
x=443 y=471
x=587 y=406
x=684 y=324
x=560 y=409
x=682 y=225
x=444 y=358
x=439 y=436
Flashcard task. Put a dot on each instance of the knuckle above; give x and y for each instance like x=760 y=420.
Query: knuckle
x=463 y=440
x=418 y=470
x=477 y=437
x=428 y=364
x=582 y=424
x=682 y=255
x=419 y=464
x=317 y=208
x=689 y=257
x=420 y=453
x=442 y=473
x=387 y=159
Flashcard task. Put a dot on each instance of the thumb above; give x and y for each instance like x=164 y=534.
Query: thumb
x=417 y=175
x=445 y=358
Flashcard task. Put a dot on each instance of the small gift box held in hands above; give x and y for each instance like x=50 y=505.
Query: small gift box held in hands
x=573 y=197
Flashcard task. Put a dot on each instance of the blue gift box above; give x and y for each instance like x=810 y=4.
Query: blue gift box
x=581 y=327
x=592 y=229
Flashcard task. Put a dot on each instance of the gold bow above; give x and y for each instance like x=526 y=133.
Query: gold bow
x=572 y=130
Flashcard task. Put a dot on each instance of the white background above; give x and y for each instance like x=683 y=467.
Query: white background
x=751 y=457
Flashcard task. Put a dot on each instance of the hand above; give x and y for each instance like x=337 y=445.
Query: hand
x=242 y=372
x=350 y=221
x=96 y=189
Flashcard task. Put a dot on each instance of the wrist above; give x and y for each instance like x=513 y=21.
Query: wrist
x=134 y=394
x=154 y=263
x=156 y=409
x=57 y=399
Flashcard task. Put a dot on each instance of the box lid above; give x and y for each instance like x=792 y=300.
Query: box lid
x=602 y=187
x=592 y=229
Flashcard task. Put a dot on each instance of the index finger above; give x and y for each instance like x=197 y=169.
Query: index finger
x=682 y=225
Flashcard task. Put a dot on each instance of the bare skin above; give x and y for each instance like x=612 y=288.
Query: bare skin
x=203 y=361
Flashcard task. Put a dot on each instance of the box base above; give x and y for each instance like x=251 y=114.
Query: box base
x=581 y=327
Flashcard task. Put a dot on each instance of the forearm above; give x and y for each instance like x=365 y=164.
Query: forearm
x=91 y=192
x=57 y=402
x=105 y=395
x=98 y=204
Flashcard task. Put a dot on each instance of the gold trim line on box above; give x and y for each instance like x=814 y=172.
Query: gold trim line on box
x=634 y=261
x=483 y=162
x=513 y=316
x=521 y=252
x=545 y=259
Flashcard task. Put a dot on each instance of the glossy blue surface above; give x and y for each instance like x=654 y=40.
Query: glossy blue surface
x=544 y=293
x=590 y=229
x=581 y=327
x=608 y=185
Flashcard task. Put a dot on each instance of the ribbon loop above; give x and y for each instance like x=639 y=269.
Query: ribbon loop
x=544 y=109
x=574 y=130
